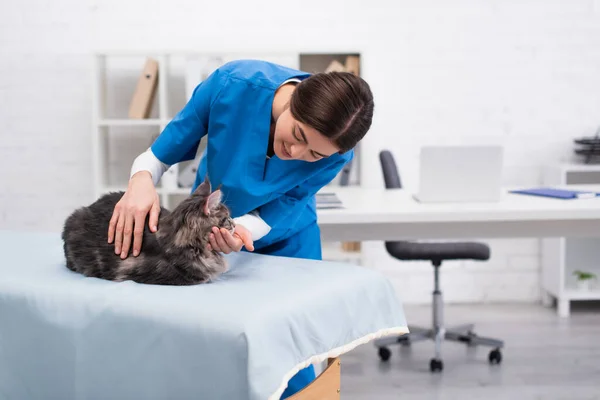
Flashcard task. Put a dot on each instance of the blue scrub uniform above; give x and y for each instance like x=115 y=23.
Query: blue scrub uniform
x=233 y=106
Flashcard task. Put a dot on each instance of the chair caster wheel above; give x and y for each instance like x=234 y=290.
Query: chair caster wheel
x=384 y=353
x=404 y=341
x=495 y=356
x=436 y=365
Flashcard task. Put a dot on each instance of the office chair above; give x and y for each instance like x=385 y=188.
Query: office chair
x=436 y=253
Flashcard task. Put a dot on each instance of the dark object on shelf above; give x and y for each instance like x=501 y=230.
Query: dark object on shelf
x=589 y=147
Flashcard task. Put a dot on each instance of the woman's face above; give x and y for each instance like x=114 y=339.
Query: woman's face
x=294 y=140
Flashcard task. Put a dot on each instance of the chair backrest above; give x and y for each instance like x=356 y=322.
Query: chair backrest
x=390 y=171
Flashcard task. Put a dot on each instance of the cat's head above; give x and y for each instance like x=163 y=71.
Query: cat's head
x=212 y=211
x=196 y=215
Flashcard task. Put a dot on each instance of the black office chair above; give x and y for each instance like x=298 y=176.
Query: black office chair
x=436 y=253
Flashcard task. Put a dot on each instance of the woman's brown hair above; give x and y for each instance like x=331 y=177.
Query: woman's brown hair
x=339 y=105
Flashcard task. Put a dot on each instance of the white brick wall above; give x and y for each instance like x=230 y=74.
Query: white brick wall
x=521 y=74
x=524 y=74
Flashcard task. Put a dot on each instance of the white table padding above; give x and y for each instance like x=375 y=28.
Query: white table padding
x=66 y=336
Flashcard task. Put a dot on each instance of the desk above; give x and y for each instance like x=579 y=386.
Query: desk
x=380 y=214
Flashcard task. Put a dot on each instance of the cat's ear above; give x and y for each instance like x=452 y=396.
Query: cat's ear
x=204 y=188
x=212 y=201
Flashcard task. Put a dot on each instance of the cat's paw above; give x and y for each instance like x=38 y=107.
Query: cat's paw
x=226 y=265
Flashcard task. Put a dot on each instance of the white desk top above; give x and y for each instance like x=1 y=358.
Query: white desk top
x=381 y=205
x=372 y=209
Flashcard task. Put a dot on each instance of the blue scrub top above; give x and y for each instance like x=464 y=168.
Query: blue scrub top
x=233 y=107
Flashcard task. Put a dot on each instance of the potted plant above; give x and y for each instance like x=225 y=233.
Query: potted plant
x=584 y=279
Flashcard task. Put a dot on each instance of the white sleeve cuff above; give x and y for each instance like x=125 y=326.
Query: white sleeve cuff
x=147 y=161
x=255 y=224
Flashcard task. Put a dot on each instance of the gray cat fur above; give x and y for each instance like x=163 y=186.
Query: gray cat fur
x=175 y=255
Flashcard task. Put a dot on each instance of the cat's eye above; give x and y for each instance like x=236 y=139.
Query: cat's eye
x=223 y=221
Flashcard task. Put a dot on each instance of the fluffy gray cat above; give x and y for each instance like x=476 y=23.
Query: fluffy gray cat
x=175 y=255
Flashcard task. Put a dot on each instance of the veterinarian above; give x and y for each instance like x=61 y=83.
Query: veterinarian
x=275 y=137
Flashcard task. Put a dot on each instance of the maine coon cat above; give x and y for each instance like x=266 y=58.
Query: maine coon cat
x=175 y=255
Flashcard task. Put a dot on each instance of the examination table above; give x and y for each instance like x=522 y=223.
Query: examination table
x=65 y=336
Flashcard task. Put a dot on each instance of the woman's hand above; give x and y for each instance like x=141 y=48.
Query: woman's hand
x=130 y=214
x=223 y=241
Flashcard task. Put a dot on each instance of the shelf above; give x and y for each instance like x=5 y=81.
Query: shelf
x=118 y=139
x=132 y=122
x=563 y=255
x=571 y=293
x=334 y=252
x=574 y=294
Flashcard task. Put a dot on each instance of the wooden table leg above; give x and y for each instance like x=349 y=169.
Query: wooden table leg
x=326 y=386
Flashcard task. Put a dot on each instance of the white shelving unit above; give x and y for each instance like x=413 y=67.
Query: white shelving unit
x=117 y=140
x=562 y=256
x=109 y=117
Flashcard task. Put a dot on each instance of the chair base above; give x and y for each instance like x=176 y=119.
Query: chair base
x=438 y=333
x=462 y=333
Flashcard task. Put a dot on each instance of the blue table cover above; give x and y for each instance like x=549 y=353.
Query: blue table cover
x=66 y=336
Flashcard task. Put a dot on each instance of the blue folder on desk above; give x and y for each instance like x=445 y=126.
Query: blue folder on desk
x=557 y=193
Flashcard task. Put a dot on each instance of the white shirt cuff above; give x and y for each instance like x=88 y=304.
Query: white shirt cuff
x=255 y=224
x=147 y=161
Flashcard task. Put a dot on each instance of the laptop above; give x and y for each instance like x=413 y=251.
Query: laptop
x=460 y=174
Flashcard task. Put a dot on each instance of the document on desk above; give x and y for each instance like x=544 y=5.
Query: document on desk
x=557 y=193
x=328 y=201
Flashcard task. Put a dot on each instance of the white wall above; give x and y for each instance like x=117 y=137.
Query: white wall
x=525 y=74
